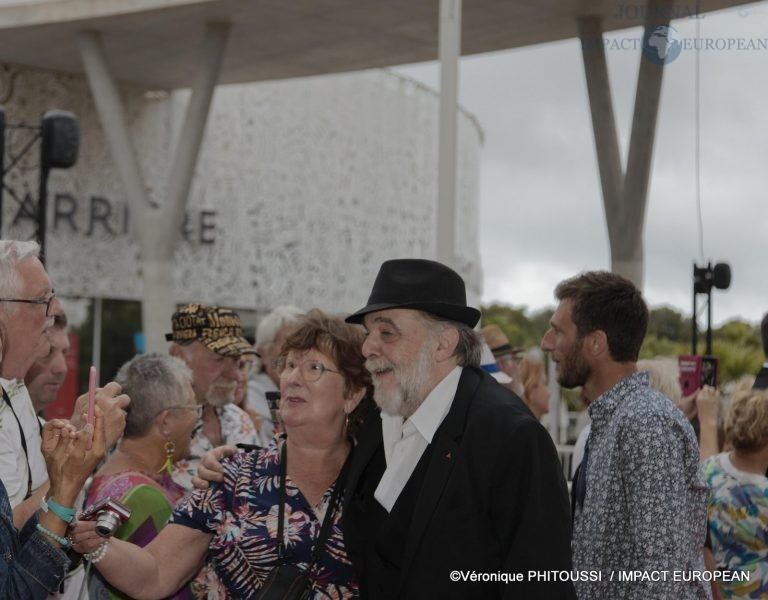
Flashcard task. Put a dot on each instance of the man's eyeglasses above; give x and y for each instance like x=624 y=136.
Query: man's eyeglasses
x=198 y=408
x=48 y=301
x=311 y=370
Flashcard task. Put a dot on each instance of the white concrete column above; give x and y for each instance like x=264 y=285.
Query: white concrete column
x=157 y=229
x=112 y=115
x=449 y=52
x=625 y=193
x=191 y=134
x=603 y=121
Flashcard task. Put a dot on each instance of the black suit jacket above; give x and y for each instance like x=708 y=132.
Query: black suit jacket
x=761 y=382
x=487 y=497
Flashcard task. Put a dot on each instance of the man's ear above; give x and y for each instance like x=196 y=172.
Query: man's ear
x=596 y=343
x=447 y=340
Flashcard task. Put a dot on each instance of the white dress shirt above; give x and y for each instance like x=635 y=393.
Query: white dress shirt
x=405 y=442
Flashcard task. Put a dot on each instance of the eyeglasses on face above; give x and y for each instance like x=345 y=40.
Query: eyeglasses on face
x=198 y=408
x=311 y=370
x=47 y=301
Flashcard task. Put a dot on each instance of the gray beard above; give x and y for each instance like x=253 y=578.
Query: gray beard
x=409 y=394
x=219 y=398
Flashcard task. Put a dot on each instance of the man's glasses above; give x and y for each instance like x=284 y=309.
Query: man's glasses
x=311 y=370
x=48 y=301
x=198 y=408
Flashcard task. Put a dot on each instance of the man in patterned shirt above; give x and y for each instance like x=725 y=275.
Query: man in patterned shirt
x=639 y=504
x=209 y=340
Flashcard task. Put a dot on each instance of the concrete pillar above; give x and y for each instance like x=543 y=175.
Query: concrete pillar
x=157 y=228
x=625 y=195
x=112 y=115
x=603 y=121
x=449 y=52
x=191 y=134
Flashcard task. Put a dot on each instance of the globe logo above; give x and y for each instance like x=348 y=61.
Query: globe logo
x=662 y=44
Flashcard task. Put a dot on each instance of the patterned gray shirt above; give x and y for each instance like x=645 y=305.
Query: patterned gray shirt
x=645 y=508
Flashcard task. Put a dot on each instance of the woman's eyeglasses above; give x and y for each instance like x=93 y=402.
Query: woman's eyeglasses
x=311 y=370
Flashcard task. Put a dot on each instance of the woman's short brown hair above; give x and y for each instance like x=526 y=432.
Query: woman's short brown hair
x=343 y=343
x=746 y=424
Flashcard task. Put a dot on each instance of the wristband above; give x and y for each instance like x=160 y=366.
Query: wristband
x=63 y=542
x=65 y=514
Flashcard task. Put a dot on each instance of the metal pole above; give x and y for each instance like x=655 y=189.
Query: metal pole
x=449 y=49
x=709 y=321
x=695 y=332
x=42 y=210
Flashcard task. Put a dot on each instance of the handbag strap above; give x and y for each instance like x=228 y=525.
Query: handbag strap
x=7 y=400
x=330 y=512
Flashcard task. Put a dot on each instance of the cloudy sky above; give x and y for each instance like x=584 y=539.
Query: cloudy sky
x=540 y=200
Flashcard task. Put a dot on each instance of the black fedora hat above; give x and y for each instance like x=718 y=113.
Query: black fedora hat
x=420 y=285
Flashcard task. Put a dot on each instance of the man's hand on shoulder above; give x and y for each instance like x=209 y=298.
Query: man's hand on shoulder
x=210 y=468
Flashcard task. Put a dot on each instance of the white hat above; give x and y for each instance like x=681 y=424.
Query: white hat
x=488 y=364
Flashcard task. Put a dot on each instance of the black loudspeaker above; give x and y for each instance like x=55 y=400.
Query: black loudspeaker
x=722 y=276
x=60 y=132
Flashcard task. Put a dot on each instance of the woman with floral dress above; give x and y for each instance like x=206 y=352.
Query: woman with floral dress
x=323 y=382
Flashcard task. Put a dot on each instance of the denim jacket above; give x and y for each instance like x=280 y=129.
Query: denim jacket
x=30 y=567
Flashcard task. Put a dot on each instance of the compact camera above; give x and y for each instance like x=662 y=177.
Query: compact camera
x=109 y=515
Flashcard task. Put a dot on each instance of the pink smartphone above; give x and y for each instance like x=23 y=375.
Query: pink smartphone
x=91 y=400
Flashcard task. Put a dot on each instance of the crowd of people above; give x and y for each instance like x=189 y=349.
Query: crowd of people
x=404 y=459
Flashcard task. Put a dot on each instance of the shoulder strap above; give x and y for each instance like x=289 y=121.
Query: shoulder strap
x=281 y=510
x=330 y=513
x=23 y=443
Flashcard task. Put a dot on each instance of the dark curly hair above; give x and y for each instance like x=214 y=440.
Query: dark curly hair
x=611 y=303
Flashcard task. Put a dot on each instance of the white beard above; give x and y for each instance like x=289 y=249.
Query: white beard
x=405 y=398
x=220 y=395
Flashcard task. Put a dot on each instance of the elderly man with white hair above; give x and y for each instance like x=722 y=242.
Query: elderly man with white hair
x=28 y=306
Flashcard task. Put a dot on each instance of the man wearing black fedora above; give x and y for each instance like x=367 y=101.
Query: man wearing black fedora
x=455 y=490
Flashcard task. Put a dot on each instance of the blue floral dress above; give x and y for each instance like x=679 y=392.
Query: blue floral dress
x=241 y=514
x=738 y=525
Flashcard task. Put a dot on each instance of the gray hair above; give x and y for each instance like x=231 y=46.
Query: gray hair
x=13 y=252
x=469 y=350
x=274 y=322
x=154 y=383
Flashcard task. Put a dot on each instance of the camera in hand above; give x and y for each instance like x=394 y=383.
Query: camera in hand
x=109 y=515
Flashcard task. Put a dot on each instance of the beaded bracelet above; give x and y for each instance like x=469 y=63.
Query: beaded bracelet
x=98 y=554
x=65 y=514
x=63 y=542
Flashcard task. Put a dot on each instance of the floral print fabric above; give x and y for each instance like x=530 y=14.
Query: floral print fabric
x=241 y=514
x=738 y=525
x=645 y=504
x=236 y=428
